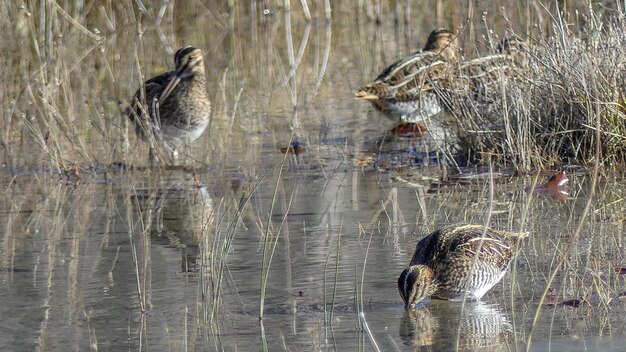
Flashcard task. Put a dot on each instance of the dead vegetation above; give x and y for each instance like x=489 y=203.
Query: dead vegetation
x=569 y=97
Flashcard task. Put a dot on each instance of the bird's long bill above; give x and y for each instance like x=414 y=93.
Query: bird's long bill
x=169 y=88
x=186 y=68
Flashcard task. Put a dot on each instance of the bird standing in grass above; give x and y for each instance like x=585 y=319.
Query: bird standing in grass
x=403 y=91
x=457 y=262
x=481 y=78
x=173 y=108
x=484 y=90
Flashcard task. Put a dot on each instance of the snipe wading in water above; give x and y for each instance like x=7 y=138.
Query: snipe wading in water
x=457 y=262
x=403 y=91
x=173 y=108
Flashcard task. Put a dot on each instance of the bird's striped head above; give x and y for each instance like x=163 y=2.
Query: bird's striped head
x=416 y=283
x=189 y=61
x=444 y=43
x=516 y=49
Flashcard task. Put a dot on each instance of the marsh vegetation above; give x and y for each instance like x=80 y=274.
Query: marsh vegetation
x=291 y=218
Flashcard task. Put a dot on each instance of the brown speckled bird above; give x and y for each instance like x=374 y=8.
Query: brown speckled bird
x=456 y=262
x=482 y=77
x=403 y=90
x=173 y=108
x=515 y=49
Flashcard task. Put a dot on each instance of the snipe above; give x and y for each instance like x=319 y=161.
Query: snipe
x=173 y=108
x=457 y=262
x=481 y=78
x=403 y=91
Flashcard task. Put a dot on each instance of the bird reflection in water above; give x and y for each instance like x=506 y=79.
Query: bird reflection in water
x=418 y=327
x=445 y=327
x=180 y=218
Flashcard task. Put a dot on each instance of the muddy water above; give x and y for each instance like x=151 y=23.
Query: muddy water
x=174 y=259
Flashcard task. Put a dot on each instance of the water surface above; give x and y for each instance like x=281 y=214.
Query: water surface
x=173 y=258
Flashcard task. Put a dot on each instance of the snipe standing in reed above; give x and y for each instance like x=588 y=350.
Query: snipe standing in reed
x=173 y=108
x=457 y=262
x=484 y=89
x=403 y=91
x=482 y=77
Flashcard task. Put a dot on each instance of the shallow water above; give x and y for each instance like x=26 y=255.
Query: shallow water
x=172 y=259
x=71 y=278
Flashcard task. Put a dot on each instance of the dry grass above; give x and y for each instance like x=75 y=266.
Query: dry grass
x=549 y=112
x=73 y=68
x=66 y=83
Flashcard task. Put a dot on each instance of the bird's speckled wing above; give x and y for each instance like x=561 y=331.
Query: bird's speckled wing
x=457 y=242
x=152 y=88
x=406 y=77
